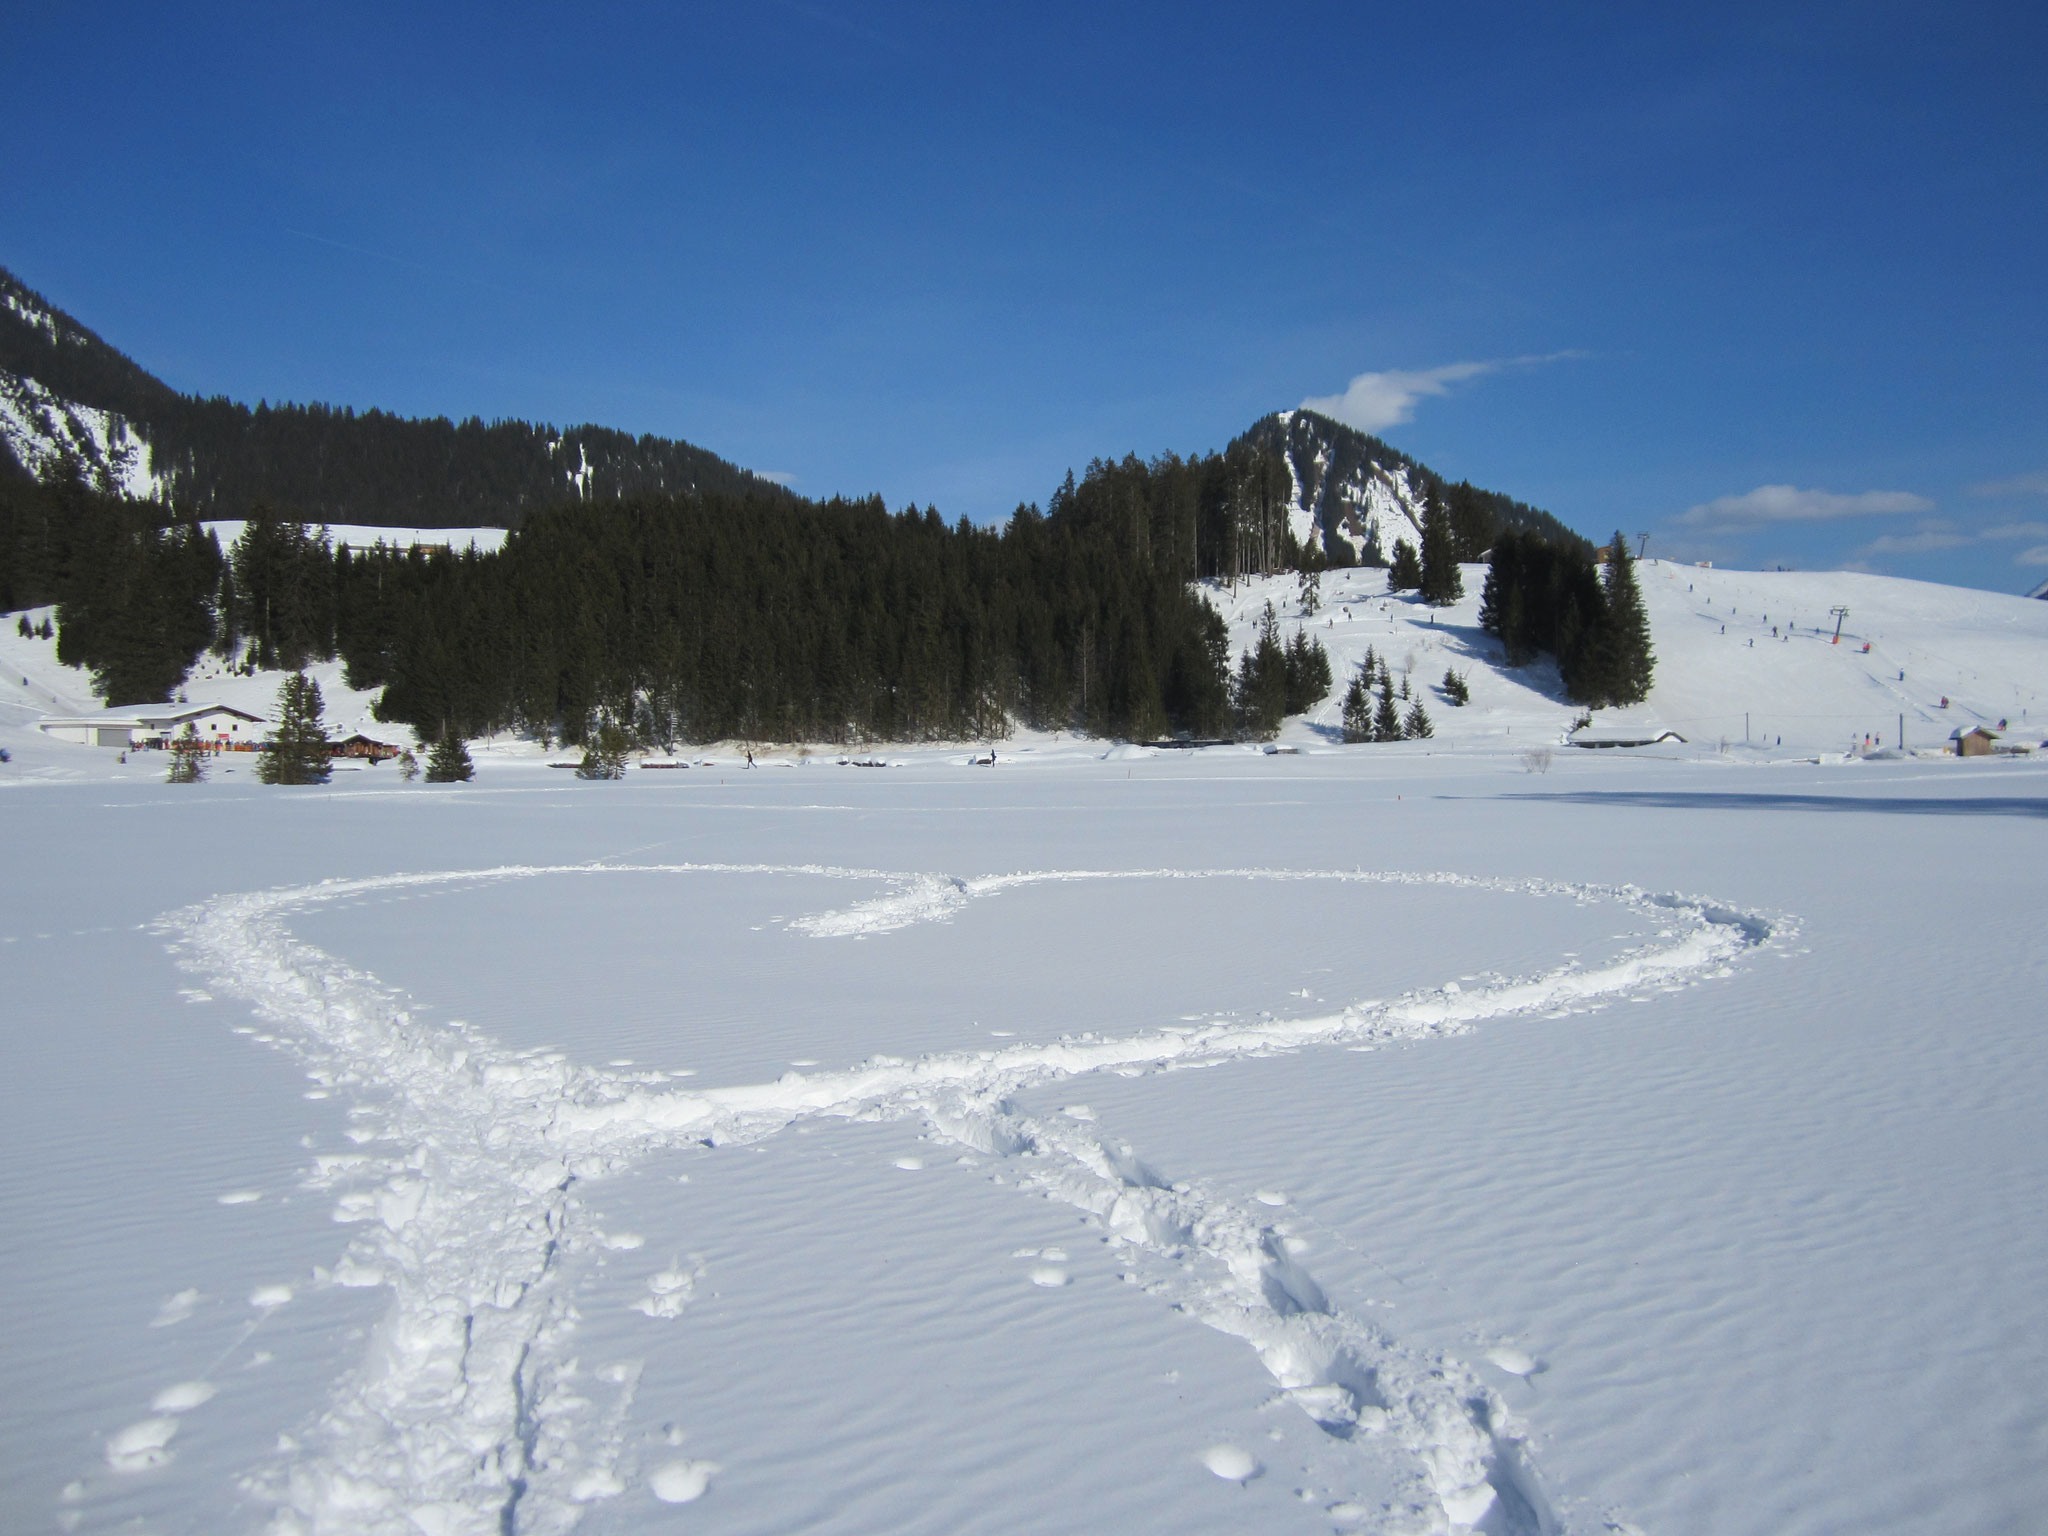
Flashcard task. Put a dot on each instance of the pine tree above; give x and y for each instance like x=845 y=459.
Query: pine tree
x=21 y=628
x=188 y=762
x=297 y=753
x=449 y=762
x=1262 y=681
x=1417 y=727
x=1405 y=574
x=1307 y=673
x=1439 y=578
x=1357 y=713
x=408 y=766
x=1386 y=717
x=1456 y=689
x=1629 y=664
x=604 y=755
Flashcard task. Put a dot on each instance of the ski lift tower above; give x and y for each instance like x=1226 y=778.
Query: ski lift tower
x=1840 y=614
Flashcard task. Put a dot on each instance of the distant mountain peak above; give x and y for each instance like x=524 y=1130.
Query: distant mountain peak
x=1354 y=495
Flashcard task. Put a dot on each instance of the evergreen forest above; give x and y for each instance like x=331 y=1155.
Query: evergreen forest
x=651 y=592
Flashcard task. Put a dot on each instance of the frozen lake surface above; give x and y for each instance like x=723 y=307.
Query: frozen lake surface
x=1199 y=1143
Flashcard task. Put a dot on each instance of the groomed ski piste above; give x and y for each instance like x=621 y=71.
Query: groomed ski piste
x=1432 y=1138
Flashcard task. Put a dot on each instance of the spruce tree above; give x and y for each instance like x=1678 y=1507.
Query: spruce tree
x=604 y=755
x=1439 y=578
x=1386 y=717
x=1417 y=727
x=1307 y=673
x=1629 y=663
x=449 y=762
x=1262 y=681
x=297 y=753
x=1357 y=713
x=188 y=763
x=408 y=766
x=1456 y=689
x=1405 y=574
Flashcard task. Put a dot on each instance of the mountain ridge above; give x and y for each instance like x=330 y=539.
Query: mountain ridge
x=67 y=393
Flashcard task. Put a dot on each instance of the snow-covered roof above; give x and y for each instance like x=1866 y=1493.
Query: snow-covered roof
x=1623 y=736
x=142 y=716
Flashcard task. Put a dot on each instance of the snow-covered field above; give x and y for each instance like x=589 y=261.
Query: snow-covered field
x=1378 y=1138
x=1214 y=1141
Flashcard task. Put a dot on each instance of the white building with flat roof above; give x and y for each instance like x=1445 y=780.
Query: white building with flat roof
x=139 y=725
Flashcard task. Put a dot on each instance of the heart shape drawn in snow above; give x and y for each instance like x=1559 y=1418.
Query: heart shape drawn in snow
x=469 y=1223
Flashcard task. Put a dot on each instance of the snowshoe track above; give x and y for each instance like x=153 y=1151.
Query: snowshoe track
x=466 y=1415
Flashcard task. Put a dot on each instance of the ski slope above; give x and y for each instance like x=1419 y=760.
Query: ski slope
x=1721 y=672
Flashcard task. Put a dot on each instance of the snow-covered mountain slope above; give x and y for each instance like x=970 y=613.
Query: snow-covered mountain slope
x=40 y=430
x=1742 y=655
x=1340 y=488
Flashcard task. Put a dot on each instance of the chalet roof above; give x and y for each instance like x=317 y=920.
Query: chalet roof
x=144 y=716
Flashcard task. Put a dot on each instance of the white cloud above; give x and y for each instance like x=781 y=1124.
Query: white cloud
x=2035 y=484
x=2016 y=531
x=1929 y=535
x=1789 y=504
x=2038 y=555
x=775 y=476
x=1373 y=401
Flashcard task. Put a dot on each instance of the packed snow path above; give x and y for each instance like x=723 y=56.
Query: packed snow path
x=467 y=1414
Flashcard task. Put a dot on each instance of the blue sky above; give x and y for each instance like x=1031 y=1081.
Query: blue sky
x=1767 y=283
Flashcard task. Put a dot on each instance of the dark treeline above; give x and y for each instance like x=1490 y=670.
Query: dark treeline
x=1542 y=596
x=217 y=458
x=1209 y=516
x=699 y=618
x=136 y=591
x=682 y=619
x=711 y=617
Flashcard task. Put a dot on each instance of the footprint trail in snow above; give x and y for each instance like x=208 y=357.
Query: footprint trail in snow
x=468 y=1414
